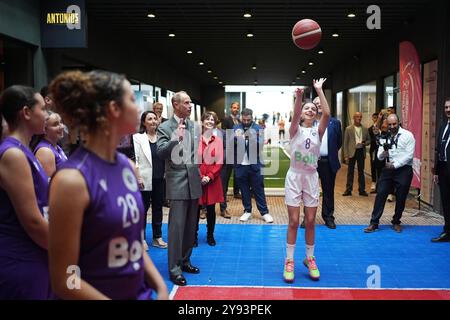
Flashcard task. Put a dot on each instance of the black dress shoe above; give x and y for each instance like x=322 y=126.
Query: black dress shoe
x=364 y=194
x=443 y=237
x=330 y=224
x=211 y=241
x=302 y=225
x=347 y=193
x=189 y=268
x=371 y=228
x=179 y=280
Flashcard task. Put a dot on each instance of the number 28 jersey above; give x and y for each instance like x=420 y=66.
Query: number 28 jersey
x=305 y=149
x=111 y=250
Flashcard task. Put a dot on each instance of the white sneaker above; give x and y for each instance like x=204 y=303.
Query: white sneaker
x=268 y=218
x=245 y=216
x=390 y=198
x=373 y=186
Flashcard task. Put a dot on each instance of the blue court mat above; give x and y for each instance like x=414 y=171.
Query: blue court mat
x=253 y=255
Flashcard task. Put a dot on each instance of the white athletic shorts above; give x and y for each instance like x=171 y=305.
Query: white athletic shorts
x=302 y=186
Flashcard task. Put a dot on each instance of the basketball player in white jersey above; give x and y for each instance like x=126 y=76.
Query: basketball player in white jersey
x=302 y=179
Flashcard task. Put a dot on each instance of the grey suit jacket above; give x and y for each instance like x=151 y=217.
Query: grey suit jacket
x=182 y=171
x=350 y=142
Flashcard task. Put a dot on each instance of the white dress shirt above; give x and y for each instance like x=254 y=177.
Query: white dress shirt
x=402 y=152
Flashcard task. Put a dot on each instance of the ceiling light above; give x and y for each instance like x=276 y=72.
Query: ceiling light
x=335 y=35
x=311 y=63
x=151 y=15
x=297 y=77
x=220 y=82
x=303 y=71
x=171 y=34
x=247 y=14
x=351 y=15
x=250 y=34
x=255 y=82
x=215 y=78
x=201 y=63
x=254 y=67
x=189 y=52
x=209 y=71
x=293 y=82
x=321 y=51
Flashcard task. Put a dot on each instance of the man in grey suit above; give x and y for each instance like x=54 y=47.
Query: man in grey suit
x=178 y=144
x=356 y=138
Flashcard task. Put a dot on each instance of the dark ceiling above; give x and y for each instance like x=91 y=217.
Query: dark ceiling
x=216 y=33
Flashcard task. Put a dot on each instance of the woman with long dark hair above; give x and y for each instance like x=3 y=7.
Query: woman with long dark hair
x=23 y=199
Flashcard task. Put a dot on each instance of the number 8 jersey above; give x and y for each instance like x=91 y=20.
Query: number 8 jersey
x=111 y=251
x=305 y=149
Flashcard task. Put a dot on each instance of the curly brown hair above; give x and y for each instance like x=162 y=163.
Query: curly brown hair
x=81 y=97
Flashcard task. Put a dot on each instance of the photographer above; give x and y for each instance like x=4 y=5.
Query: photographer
x=397 y=151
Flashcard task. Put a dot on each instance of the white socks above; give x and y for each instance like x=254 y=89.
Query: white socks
x=290 y=251
x=309 y=251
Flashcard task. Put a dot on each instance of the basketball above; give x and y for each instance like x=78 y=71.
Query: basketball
x=306 y=34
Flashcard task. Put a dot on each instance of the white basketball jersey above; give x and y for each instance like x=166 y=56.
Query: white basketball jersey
x=305 y=149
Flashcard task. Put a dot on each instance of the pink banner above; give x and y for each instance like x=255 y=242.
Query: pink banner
x=411 y=101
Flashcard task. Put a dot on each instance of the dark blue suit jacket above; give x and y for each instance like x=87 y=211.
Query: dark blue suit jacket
x=334 y=143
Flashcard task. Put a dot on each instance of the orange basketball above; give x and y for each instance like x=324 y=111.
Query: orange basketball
x=306 y=34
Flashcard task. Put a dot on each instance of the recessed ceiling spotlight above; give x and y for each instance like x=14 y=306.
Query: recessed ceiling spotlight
x=320 y=51
x=303 y=71
x=250 y=34
x=189 y=52
x=151 y=15
x=201 y=63
x=209 y=71
x=247 y=14
x=215 y=78
x=254 y=67
x=351 y=14
x=311 y=63
x=335 y=35
x=171 y=34
x=220 y=82
x=255 y=82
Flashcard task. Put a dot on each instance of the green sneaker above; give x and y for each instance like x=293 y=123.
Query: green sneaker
x=310 y=263
x=288 y=273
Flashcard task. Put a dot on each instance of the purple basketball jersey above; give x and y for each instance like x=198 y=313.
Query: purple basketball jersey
x=23 y=264
x=58 y=152
x=112 y=230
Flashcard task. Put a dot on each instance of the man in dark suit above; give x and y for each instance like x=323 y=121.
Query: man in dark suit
x=227 y=124
x=328 y=165
x=178 y=145
x=158 y=109
x=442 y=171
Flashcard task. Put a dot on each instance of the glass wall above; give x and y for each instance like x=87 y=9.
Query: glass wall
x=362 y=99
x=388 y=91
x=339 y=97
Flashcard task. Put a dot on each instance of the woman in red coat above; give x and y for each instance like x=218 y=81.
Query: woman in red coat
x=211 y=160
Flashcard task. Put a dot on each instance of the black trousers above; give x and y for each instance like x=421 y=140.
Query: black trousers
x=375 y=169
x=210 y=219
x=400 y=179
x=327 y=178
x=444 y=189
x=359 y=159
x=225 y=175
x=156 y=198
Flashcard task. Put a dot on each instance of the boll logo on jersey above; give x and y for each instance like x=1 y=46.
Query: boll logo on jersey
x=119 y=253
x=130 y=180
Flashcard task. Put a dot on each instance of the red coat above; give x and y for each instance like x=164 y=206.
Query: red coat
x=211 y=157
